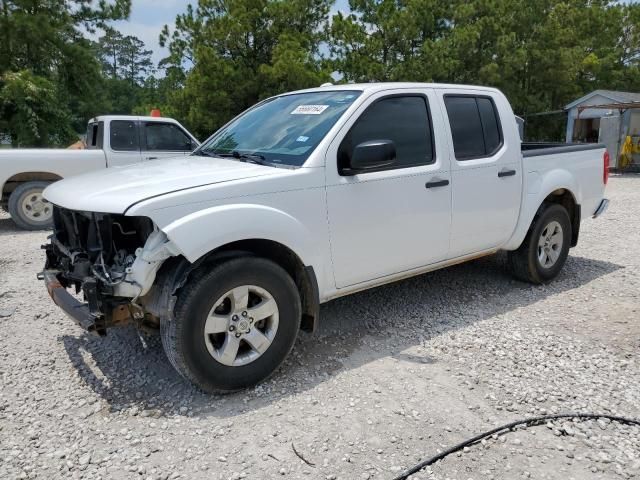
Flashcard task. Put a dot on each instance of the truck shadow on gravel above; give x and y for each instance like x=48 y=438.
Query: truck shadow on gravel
x=378 y=323
x=7 y=227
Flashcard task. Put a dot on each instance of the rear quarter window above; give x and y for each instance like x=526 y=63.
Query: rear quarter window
x=95 y=133
x=490 y=125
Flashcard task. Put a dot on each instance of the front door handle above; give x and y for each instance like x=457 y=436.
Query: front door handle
x=152 y=158
x=437 y=183
x=506 y=173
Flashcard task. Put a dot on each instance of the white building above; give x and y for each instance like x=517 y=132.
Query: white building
x=614 y=116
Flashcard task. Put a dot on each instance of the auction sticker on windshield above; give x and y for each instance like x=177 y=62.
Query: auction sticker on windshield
x=309 y=109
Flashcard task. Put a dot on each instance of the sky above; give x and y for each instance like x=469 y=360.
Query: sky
x=149 y=16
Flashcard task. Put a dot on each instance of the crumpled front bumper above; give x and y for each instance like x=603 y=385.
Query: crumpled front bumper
x=80 y=313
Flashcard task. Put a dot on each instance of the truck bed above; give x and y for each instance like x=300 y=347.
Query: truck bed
x=579 y=165
x=535 y=149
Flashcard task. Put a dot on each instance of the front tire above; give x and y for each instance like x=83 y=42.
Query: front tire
x=28 y=208
x=544 y=251
x=233 y=325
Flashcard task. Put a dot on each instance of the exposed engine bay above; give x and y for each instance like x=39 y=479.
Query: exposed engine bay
x=111 y=259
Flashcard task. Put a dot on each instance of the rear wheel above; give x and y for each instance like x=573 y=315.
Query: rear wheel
x=28 y=208
x=544 y=251
x=234 y=325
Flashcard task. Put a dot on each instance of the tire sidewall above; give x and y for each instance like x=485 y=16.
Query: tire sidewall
x=550 y=214
x=15 y=206
x=193 y=311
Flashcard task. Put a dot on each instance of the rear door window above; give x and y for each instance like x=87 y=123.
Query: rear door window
x=475 y=126
x=166 y=137
x=124 y=136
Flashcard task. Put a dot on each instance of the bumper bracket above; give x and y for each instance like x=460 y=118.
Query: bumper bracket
x=79 y=312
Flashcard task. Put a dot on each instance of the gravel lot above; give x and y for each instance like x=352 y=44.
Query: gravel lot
x=394 y=375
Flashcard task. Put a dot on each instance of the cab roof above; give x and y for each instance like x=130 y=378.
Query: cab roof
x=380 y=86
x=105 y=118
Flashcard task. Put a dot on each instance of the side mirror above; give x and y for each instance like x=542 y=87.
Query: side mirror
x=371 y=156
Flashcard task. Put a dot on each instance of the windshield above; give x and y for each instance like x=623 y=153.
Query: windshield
x=283 y=130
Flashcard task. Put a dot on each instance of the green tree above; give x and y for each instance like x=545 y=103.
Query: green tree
x=238 y=52
x=31 y=110
x=128 y=72
x=44 y=51
x=541 y=53
x=545 y=53
x=109 y=49
x=135 y=62
x=165 y=92
x=392 y=40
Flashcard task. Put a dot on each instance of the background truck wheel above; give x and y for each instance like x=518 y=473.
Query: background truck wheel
x=28 y=208
x=234 y=325
x=546 y=247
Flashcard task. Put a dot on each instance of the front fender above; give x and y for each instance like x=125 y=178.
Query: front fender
x=200 y=232
x=538 y=188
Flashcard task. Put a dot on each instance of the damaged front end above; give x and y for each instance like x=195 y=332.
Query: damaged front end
x=111 y=260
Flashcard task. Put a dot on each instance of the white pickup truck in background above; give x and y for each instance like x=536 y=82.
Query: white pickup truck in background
x=306 y=197
x=111 y=141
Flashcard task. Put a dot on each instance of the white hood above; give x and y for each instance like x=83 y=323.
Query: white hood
x=115 y=189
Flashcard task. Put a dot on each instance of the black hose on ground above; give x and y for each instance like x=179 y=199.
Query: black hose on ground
x=529 y=422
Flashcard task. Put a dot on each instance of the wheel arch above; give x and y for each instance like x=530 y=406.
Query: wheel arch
x=303 y=275
x=566 y=198
x=221 y=231
x=178 y=269
x=558 y=194
x=12 y=182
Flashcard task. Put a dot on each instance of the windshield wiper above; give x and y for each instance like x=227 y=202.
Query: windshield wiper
x=203 y=153
x=256 y=158
x=250 y=157
x=245 y=157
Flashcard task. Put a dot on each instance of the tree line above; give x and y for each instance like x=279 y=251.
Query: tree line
x=225 y=55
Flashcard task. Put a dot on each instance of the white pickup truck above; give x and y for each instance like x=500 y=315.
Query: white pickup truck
x=111 y=141
x=306 y=197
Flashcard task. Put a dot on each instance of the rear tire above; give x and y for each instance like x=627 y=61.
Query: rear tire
x=544 y=251
x=215 y=311
x=28 y=209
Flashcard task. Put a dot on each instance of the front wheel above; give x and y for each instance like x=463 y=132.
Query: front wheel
x=544 y=251
x=28 y=208
x=234 y=325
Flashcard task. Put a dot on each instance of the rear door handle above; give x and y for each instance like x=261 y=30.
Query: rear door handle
x=506 y=173
x=437 y=183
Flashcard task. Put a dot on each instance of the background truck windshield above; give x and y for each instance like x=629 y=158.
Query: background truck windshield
x=284 y=130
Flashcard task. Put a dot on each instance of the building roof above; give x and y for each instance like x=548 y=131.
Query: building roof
x=614 y=96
